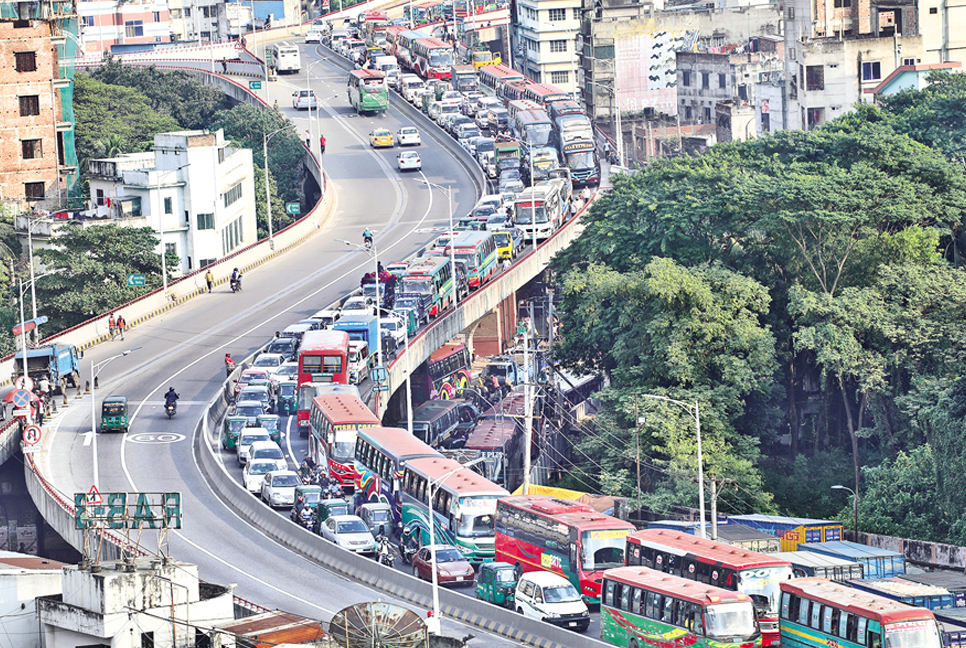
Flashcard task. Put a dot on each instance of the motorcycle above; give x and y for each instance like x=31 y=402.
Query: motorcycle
x=408 y=544
x=236 y=284
x=170 y=409
x=305 y=518
x=386 y=555
x=368 y=243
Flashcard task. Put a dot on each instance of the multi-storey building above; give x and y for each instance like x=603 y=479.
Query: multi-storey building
x=546 y=41
x=108 y=23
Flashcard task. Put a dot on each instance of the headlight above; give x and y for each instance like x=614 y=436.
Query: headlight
x=276 y=497
x=585 y=613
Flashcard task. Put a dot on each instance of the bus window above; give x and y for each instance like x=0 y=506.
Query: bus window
x=653 y=606
x=609 y=594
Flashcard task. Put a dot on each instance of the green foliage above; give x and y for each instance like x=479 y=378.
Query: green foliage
x=805 y=483
x=936 y=115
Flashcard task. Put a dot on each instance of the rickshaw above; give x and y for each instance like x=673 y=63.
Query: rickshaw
x=234 y=426
x=287 y=397
x=273 y=424
x=114 y=414
x=496 y=583
x=326 y=509
x=306 y=496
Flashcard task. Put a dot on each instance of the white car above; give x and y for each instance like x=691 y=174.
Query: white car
x=357 y=303
x=408 y=135
x=268 y=450
x=304 y=100
x=409 y=161
x=255 y=472
x=278 y=488
x=548 y=597
x=314 y=34
x=393 y=327
x=270 y=362
x=350 y=533
x=327 y=317
x=245 y=441
x=482 y=119
x=288 y=371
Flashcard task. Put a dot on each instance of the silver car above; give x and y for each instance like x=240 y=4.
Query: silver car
x=278 y=488
x=350 y=533
x=245 y=441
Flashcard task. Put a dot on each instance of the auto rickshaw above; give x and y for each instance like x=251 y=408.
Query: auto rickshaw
x=378 y=517
x=272 y=423
x=306 y=496
x=496 y=583
x=114 y=414
x=286 y=399
x=234 y=426
x=326 y=509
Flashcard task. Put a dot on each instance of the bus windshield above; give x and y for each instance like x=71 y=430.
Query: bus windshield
x=603 y=549
x=761 y=584
x=539 y=134
x=476 y=519
x=441 y=57
x=581 y=160
x=730 y=620
x=421 y=286
x=523 y=214
x=343 y=450
x=909 y=634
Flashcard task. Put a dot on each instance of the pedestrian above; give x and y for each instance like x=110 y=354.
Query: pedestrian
x=321 y=145
x=209 y=279
x=121 y=326
x=506 y=264
x=224 y=66
x=229 y=364
x=275 y=106
x=111 y=326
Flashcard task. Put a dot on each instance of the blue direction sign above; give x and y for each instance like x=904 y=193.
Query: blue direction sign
x=135 y=280
x=291 y=208
x=21 y=398
x=254 y=85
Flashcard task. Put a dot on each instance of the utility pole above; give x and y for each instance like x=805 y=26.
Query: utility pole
x=528 y=409
x=714 y=508
x=637 y=438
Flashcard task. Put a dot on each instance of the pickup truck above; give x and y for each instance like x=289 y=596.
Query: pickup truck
x=58 y=363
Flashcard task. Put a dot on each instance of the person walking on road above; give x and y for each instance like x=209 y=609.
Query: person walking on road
x=321 y=145
x=209 y=279
x=121 y=326
x=111 y=326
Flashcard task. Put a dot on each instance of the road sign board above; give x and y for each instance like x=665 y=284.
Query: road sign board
x=24 y=382
x=94 y=496
x=31 y=449
x=254 y=85
x=31 y=435
x=17 y=413
x=135 y=280
x=291 y=208
x=269 y=54
x=21 y=398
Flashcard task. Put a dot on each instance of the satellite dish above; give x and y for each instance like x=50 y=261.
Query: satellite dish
x=377 y=625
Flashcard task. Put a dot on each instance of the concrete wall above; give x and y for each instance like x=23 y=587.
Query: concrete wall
x=20 y=587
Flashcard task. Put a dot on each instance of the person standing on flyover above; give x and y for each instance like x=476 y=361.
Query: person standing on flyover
x=209 y=279
x=121 y=326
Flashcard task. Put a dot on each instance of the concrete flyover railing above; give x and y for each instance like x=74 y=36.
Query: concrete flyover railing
x=454 y=604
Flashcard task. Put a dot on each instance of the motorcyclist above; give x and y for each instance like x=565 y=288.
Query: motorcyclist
x=385 y=549
x=305 y=517
x=367 y=237
x=170 y=397
x=236 y=278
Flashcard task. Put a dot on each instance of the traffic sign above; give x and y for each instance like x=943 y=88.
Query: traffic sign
x=31 y=435
x=22 y=412
x=254 y=85
x=94 y=496
x=24 y=382
x=21 y=398
x=268 y=56
x=135 y=280
x=291 y=208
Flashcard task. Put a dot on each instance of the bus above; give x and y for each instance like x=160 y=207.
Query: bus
x=381 y=453
x=532 y=126
x=333 y=422
x=436 y=421
x=512 y=90
x=544 y=533
x=323 y=358
x=420 y=12
x=432 y=58
x=715 y=563
x=581 y=158
x=643 y=607
x=444 y=375
x=368 y=91
x=431 y=277
x=544 y=94
x=816 y=613
x=404 y=46
x=286 y=58
x=520 y=105
x=500 y=443
x=464 y=504
x=478 y=250
x=538 y=211
x=376 y=23
x=494 y=76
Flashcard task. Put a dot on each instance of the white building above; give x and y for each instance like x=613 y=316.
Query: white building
x=193 y=189
x=546 y=39
x=22 y=579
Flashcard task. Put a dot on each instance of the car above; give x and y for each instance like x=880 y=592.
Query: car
x=483 y=212
x=313 y=324
x=455 y=122
x=408 y=135
x=304 y=100
x=416 y=96
x=246 y=377
x=288 y=371
x=451 y=565
x=491 y=199
x=357 y=303
x=255 y=472
x=512 y=186
x=245 y=441
x=393 y=327
x=314 y=35
x=482 y=119
x=249 y=409
x=284 y=346
x=261 y=394
x=381 y=137
x=470 y=102
x=278 y=488
x=498 y=222
x=409 y=161
x=451 y=95
x=350 y=533
x=327 y=317
x=552 y=598
x=466 y=130
x=270 y=362
x=268 y=450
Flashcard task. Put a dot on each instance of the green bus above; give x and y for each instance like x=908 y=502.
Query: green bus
x=368 y=91
x=641 y=607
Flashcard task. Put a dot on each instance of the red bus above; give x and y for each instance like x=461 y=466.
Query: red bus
x=333 y=421
x=432 y=58
x=544 y=94
x=323 y=358
x=445 y=375
x=715 y=563
x=494 y=76
x=543 y=533
x=500 y=442
x=512 y=90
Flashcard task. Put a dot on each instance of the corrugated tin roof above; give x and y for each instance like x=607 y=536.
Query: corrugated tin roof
x=269 y=629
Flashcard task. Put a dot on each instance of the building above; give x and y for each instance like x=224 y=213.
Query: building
x=546 y=41
x=22 y=579
x=120 y=25
x=37 y=159
x=912 y=77
x=147 y=602
x=194 y=189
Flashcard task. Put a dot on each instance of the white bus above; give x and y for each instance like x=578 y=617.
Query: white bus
x=286 y=58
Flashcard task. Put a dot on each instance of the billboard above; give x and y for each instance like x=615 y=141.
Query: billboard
x=646 y=68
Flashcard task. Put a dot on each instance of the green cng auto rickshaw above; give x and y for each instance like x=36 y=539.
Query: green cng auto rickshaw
x=286 y=398
x=114 y=414
x=496 y=583
x=306 y=496
x=273 y=424
x=234 y=425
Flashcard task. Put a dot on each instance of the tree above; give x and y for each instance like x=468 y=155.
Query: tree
x=89 y=268
x=935 y=115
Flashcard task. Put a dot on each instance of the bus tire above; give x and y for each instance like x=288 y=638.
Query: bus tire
x=632 y=644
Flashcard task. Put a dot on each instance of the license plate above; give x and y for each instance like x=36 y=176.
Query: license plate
x=573 y=623
x=459 y=579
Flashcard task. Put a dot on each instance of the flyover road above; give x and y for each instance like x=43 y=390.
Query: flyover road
x=185 y=348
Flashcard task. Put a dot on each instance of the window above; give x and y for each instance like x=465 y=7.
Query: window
x=221 y=155
x=167 y=205
x=841 y=4
x=933 y=10
x=31 y=149
x=206 y=221
x=790 y=13
x=29 y=105
x=687 y=113
x=560 y=78
x=34 y=190
x=705 y=80
x=558 y=14
x=814 y=77
x=100 y=197
x=232 y=195
x=686 y=78
x=766 y=123
x=133 y=28
x=909 y=61
x=88 y=21
x=743 y=92
x=871 y=71
x=558 y=46
x=25 y=61
x=131 y=207
x=170 y=249
x=205 y=262
x=157 y=16
x=147 y=640
x=707 y=115
x=722 y=81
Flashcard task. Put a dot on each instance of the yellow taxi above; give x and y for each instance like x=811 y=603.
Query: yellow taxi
x=381 y=137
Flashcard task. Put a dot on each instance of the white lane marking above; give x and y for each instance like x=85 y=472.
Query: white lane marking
x=288 y=440
x=164 y=437
x=88 y=436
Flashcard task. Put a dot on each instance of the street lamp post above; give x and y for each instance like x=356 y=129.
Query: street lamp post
x=617 y=114
x=95 y=369
x=23 y=343
x=268 y=196
x=375 y=260
x=855 y=506
x=452 y=233
x=695 y=413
